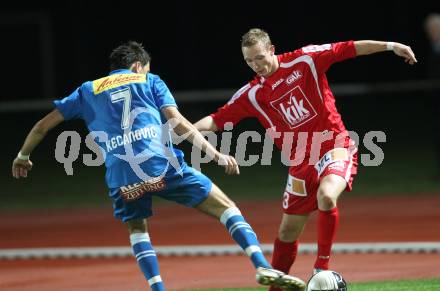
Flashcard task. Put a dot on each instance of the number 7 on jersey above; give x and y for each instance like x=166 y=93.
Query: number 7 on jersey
x=123 y=95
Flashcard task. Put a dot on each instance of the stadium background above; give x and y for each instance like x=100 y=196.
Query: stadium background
x=50 y=50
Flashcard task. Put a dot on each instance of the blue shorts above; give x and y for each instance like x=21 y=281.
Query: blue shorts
x=190 y=190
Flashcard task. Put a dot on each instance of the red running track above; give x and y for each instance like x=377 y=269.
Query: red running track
x=363 y=219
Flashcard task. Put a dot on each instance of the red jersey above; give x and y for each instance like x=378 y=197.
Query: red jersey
x=295 y=104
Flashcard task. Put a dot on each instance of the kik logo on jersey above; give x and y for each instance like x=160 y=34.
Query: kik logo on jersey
x=294 y=107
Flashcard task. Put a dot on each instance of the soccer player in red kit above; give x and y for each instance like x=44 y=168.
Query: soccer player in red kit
x=291 y=98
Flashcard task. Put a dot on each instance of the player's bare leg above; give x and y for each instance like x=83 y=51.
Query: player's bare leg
x=329 y=190
x=144 y=253
x=218 y=205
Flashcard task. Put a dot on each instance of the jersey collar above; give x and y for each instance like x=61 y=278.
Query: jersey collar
x=121 y=71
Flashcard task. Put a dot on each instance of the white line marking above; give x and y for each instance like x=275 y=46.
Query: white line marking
x=208 y=250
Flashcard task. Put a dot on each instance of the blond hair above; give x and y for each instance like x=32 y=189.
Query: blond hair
x=254 y=36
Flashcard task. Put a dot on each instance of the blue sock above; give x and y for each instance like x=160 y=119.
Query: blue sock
x=147 y=260
x=244 y=235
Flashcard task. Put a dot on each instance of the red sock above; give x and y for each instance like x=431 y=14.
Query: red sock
x=327 y=225
x=284 y=254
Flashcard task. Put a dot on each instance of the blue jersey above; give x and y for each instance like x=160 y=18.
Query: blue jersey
x=124 y=111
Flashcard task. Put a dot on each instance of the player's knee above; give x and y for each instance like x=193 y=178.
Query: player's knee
x=326 y=201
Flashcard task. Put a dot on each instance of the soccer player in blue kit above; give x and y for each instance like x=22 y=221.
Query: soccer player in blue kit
x=131 y=112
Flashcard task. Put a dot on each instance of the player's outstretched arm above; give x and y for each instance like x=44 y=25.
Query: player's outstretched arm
x=183 y=127
x=22 y=164
x=206 y=124
x=366 y=47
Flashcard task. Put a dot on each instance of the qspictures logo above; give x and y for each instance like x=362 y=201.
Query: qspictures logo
x=160 y=138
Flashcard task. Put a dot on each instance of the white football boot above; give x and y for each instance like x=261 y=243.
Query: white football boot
x=278 y=279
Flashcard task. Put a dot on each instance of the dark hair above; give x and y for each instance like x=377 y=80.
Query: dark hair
x=128 y=53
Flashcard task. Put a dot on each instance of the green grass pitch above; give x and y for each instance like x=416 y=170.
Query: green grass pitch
x=406 y=285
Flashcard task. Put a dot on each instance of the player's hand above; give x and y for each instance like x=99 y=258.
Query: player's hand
x=405 y=52
x=230 y=164
x=20 y=168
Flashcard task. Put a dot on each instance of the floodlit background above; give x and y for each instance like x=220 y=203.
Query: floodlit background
x=195 y=47
x=48 y=50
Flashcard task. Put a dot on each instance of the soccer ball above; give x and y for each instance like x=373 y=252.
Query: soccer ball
x=328 y=281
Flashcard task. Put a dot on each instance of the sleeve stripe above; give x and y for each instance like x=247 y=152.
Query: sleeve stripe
x=168 y=104
x=238 y=93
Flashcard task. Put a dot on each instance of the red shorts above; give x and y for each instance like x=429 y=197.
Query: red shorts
x=303 y=180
